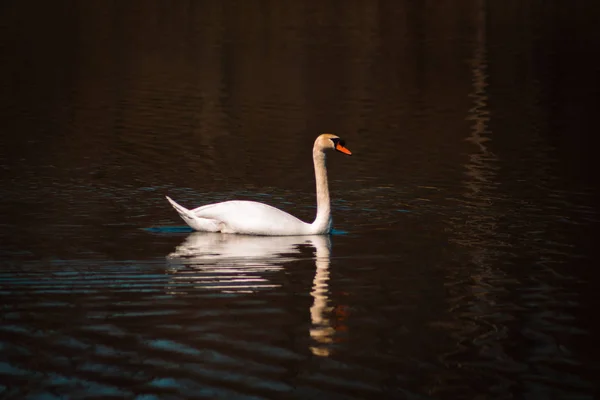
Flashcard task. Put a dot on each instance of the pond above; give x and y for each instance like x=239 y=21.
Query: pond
x=462 y=263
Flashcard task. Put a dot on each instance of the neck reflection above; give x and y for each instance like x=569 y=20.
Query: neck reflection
x=322 y=331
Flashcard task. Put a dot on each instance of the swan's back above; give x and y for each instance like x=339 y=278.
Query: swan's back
x=253 y=218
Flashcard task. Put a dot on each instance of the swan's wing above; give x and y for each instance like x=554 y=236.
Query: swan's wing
x=251 y=217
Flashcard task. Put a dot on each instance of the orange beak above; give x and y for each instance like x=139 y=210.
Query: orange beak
x=342 y=149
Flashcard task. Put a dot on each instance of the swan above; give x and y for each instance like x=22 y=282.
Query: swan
x=253 y=218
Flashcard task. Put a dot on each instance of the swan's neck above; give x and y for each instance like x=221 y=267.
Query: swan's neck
x=322 y=222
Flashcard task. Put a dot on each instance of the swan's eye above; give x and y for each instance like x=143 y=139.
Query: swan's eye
x=336 y=141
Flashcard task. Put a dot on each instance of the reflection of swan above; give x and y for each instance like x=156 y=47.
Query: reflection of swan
x=250 y=217
x=241 y=264
x=201 y=247
x=234 y=263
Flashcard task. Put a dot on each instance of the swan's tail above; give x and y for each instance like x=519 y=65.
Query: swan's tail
x=186 y=214
x=195 y=222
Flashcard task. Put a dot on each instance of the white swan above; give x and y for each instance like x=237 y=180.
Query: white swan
x=253 y=218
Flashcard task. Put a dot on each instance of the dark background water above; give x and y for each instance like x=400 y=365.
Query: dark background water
x=464 y=263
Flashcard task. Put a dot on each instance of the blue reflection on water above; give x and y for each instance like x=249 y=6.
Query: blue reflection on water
x=169 y=229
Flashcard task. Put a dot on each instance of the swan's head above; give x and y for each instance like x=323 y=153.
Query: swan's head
x=328 y=141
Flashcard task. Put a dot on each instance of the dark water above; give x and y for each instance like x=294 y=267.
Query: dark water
x=464 y=262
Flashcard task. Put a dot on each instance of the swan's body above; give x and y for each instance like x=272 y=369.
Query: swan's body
x=253 y=218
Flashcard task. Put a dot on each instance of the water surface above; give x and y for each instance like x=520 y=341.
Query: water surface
x=463 y=262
